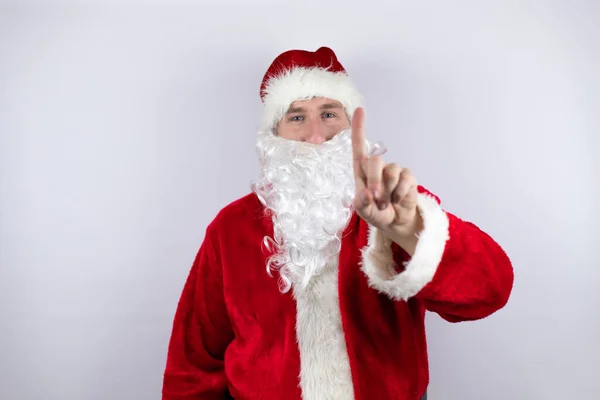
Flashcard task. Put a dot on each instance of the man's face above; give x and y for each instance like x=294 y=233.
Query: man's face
x=314 y=121
x=307 y=183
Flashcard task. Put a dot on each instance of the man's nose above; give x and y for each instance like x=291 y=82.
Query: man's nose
x=317 y=133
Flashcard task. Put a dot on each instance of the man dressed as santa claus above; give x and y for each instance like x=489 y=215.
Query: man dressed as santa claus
x=315 y=285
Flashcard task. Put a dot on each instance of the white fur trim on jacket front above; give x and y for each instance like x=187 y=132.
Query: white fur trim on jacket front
x=378 y=262
x=302 y=84
x=324 y=365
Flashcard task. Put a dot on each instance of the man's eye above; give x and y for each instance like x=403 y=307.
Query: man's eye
x=329 y=115
x=296 y=118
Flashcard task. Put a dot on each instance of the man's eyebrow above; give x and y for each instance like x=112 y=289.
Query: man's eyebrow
x=326 y=106
x=330 y=106
x=292 y=110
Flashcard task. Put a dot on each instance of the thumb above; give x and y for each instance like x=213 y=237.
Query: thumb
x=364 y=203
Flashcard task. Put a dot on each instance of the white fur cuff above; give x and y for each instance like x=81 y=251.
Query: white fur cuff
x=378 y=262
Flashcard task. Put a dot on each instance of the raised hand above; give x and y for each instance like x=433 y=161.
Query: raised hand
x=386 y=194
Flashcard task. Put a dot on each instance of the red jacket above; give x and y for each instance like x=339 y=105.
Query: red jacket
x=357 y=333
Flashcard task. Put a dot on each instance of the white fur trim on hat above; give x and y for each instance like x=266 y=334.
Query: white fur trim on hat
x=303 y=83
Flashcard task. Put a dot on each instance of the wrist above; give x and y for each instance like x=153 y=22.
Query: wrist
x=407 y=235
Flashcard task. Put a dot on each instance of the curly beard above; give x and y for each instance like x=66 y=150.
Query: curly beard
x=309 y=191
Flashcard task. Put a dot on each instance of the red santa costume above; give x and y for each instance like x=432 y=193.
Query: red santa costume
x=293 y=296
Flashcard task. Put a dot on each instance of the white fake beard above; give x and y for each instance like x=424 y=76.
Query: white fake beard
x=310 y=191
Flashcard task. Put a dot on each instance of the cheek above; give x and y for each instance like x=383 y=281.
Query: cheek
x=340 y=124
x=290 y=131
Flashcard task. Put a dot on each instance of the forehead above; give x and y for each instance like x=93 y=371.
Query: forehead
x=315 y=103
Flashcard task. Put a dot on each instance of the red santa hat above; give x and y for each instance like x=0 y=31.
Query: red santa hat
x=301 y=75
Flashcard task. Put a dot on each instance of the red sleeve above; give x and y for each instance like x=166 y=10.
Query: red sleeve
x=201 y=333
x=457 y=270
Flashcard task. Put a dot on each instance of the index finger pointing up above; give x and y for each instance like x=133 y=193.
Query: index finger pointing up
x=359 y=148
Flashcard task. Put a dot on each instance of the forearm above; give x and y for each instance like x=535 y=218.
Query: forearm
x=455 y=268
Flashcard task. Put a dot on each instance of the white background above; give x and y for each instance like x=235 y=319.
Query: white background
x=125 y=128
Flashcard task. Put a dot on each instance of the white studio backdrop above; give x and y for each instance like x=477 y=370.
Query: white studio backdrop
x=124 y=129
